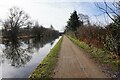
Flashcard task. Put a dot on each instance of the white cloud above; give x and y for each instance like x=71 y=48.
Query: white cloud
x=47 y=12
x=76 y=0
x=43 y=12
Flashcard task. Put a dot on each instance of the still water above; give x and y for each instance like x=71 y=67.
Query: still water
x=18 y=59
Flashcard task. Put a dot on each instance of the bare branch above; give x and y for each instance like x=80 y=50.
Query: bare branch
x=105 y=10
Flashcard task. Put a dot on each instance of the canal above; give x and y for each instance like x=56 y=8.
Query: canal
x=19 y=58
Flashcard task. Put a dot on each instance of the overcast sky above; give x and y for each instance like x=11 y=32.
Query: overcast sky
x=54 y=12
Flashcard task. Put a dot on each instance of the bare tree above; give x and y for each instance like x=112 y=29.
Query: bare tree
x=84 y=18
x=108 y=10
x=113 y=30
x=16 y=19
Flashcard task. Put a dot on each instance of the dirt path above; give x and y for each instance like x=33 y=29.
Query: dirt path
x=73 y=63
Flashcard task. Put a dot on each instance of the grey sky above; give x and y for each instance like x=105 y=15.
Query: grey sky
x=55 y=12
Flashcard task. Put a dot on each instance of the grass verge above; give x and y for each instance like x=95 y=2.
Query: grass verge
x=101 y=55
x=45 y=68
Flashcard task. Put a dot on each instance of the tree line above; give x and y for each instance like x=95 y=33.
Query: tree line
x=107 y=37
x=19 y=25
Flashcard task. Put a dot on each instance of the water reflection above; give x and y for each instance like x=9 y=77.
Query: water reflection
x=17 y=55
x=19 y=52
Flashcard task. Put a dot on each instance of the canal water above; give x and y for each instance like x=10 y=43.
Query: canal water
x=18 y=59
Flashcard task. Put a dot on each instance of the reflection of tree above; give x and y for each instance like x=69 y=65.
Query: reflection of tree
x=40 y=42
x=37 y=43
x=28 y=42
x=51 y=43
x=18 y=52
x=17 y=56
x=1 y=59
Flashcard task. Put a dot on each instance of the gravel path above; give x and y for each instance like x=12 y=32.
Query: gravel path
x=73 y=63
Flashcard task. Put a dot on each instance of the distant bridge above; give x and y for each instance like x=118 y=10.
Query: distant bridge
x=61 y=33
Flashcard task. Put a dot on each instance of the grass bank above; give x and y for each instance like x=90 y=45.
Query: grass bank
x=101 y=55
x=45 y=68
